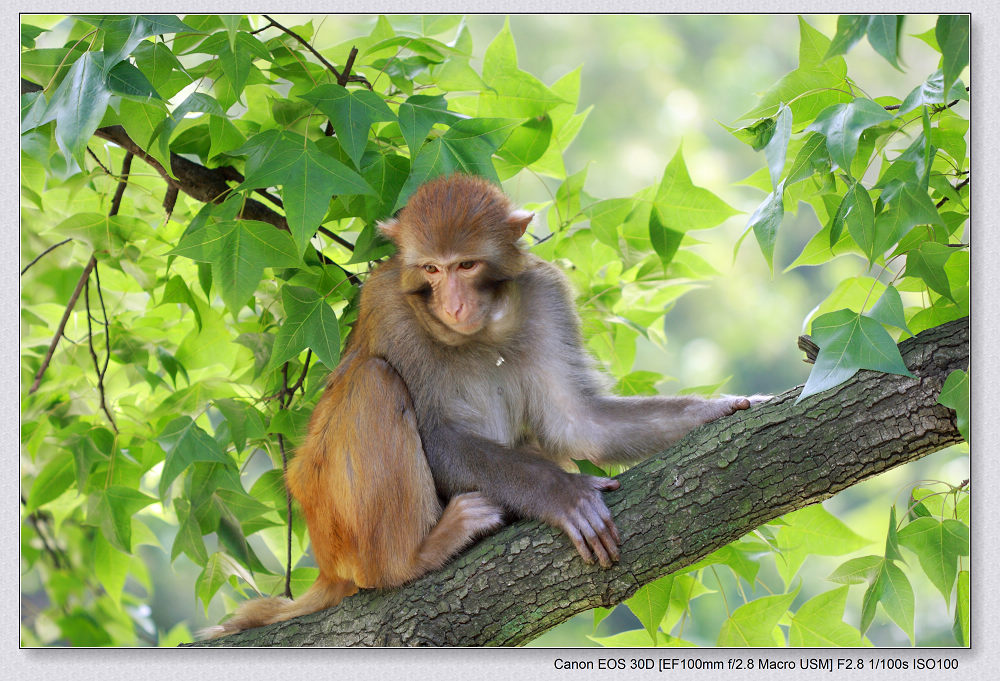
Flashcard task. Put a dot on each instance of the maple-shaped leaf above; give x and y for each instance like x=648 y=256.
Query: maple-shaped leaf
x=467 y=146
x=352 y=113
x=309 y=322
x=308 y=178
x=238 y=251
x=847 y=342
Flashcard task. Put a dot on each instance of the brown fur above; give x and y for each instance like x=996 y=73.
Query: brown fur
x=464 y=377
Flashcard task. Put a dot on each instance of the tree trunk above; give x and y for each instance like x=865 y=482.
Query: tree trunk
x=718 y=483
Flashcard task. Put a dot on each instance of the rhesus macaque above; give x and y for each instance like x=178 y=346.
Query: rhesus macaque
x=464 y=379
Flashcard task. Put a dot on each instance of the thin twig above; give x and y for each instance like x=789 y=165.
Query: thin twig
x=288 y=509
x=93 y=354
x=44 y=253
x=116 y=202
x=335 y=237
x=84 y=276
x=306 y=44
x=957 y=188
x=302 y=376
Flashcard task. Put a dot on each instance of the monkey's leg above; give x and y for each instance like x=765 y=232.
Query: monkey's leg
x=366 y=488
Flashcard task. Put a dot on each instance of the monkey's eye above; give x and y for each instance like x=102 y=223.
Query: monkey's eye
x=430 y=269
x=467 y=264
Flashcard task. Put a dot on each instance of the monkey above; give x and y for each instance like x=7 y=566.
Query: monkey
x=464 y=379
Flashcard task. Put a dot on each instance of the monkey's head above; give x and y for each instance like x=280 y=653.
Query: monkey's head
x=457 y=243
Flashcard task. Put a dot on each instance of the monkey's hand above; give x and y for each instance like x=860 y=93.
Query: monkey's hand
x=730 y=404
x=579 y=511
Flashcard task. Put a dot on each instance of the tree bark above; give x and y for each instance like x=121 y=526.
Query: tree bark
x=718 y=483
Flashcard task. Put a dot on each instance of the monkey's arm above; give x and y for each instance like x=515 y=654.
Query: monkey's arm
x=628 y=429
x=520 y=480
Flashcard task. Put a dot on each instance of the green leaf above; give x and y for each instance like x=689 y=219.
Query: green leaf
x=115 y=507
x=188 y=539
x=352 y=113
x=811 y=158
x=819 y=623
x=811 y=87
x=952 y=33
x=735 y=559
x=848 y=342
x=467 y=147
x=892 y=589
x=892 y=538
x=889 y=309
x=850 y=29
x=665 y=241
x=194 y=103
x=110 y=568
x=512 y=92
x=239 y=250
x=308 y=178
x=127 y=81
x=184 y=443
x=218 y=569
x=883 y=35
x=55 y=478
x=528 y=142
x=910 y=206
x=29 y=33
x=753 y=624
x=857 y=570
x=765 y=221
x=954 y=395
x=812 y=531
x=124 y=32
x=757 y=135
x=927 y=262
x=931 y=92
x=309 y=322
x=938 y=544
x=418 y=114
x=650 y=603
x=842 y=125
x=777 y=147
x=962 y=625
x=684 y=206
x=858 y=214
x=78 y=104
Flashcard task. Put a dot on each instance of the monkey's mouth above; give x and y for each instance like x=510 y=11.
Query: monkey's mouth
x=469 y=327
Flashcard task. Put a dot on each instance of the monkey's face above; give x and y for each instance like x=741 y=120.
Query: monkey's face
x=456 y=243
x=458 y=293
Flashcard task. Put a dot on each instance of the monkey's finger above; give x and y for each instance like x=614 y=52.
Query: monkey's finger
x=605 y=515
x=604 y=528
x=577 y=539
x=605 y=484
x=594 y=540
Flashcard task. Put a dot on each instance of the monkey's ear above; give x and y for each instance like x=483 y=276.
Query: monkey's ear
x=518 y=220
x=389 y=228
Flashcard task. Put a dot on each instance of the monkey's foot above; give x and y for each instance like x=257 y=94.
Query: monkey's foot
x=479 y=515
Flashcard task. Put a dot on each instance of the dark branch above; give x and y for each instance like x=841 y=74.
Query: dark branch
x=342 y=78
x=44 y=253
x=84 y=276
x=957 y=188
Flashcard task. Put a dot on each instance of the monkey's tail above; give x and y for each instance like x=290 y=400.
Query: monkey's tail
x=260 y=611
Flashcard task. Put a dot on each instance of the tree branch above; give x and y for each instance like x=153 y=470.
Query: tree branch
x=84 y=276
x=717 y=484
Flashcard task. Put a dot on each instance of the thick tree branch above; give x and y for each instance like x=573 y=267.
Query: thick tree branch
x=720 y=482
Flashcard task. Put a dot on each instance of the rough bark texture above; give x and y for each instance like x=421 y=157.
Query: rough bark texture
x=714 y=486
